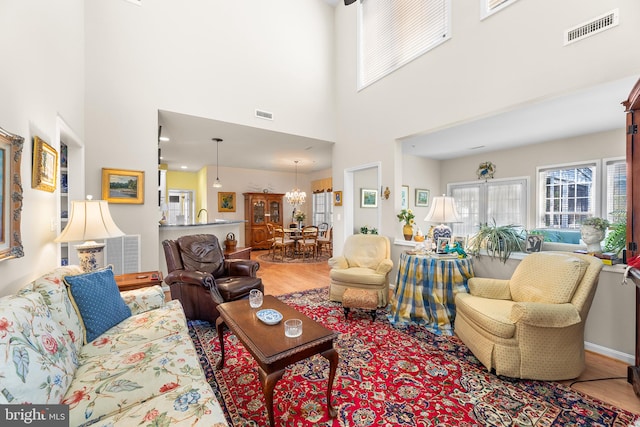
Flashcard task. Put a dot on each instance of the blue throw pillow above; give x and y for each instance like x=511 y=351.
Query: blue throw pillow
x=97 y=300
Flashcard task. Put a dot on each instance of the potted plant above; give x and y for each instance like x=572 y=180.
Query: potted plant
x=616 y=240
x=499 y=241
x=299 y=216
x=407 y=216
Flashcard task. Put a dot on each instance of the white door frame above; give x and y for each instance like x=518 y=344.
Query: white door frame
x=349 y=197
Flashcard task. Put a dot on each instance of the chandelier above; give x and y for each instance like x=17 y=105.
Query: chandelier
x=296 y=197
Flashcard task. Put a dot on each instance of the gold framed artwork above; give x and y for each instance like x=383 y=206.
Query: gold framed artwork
x=122 y=186
x=45 y=166
x=11 y=194
x=337 y=198
x=226 y=201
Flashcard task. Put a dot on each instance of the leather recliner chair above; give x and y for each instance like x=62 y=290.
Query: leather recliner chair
x=200 y=278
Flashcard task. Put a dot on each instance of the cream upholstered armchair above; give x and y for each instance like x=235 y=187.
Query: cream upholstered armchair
x=532 y=325
x=365 y=263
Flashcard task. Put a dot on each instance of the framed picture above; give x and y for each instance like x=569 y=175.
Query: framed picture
x=404 y=197
x=45 y=166
x=10 y=195
x=337 y=198
x=226 y=201
x=122 y=186
x=422 y=197
x=443 y=242
x=460 y=239
x=368 y=198
x=534 y=243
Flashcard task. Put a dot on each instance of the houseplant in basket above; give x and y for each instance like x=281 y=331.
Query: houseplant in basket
x=498 y=241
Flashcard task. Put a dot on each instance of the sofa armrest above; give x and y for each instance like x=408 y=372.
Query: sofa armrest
x=338 y=262
x=190 y=277
x=241 y=267
x=385 y=266
x=489 y=288
x=545 y=315
x=144 y=299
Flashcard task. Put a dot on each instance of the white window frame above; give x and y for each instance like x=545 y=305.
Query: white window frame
x=325 y=216
x=487 y=10
x=607 y=209
x=540 y=190
x=428 y=43
x=483 y=209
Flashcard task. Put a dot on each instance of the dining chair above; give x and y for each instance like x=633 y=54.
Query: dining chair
x=281 y=242
x=326 y=241
x=270 y=237
x=308 y=244
x=323 y=228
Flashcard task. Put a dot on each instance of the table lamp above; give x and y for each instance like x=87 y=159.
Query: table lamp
x=89 y=220
x=443 y=210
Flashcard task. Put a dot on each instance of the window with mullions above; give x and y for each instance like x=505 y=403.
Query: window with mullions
x=616 y=190
x=568 y=195
x=322 y=208
x=503 y=201
x=392 y=33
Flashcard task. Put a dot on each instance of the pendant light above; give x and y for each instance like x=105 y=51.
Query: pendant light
x=217 y=183
x=296 y=197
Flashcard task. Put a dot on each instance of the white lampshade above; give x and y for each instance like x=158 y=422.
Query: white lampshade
x=443 y=210
x=89 y=220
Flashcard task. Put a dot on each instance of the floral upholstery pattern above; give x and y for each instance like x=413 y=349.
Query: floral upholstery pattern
x=145 y=299
x=181 y=406
x=52 y=288
x=38 y=362
x=142 y=371
x=113 y=382
x=143 y=327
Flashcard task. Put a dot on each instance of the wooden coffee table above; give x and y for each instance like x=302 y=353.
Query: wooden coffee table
x=271 y=348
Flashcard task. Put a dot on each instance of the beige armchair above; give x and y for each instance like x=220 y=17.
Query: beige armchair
x=365 y=263
x=532 y=325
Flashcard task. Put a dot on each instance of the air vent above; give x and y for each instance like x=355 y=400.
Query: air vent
x=264 y=115
x=595 y=26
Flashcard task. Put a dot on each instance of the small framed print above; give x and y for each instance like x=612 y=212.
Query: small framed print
x=404 y=197
x=422 y=197
x=368 y=198
x=462 y=240
x=441 y=247
x=226 y=201
x=45 y=166
x=337 y=198
x=123 y=186
x=534 y=243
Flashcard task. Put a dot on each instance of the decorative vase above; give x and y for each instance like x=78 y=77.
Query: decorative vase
x=407 y=231
x=592 y=237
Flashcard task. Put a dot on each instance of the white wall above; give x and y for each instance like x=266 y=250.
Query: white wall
x=489 y=66
x=218 y=60
x=42 y=75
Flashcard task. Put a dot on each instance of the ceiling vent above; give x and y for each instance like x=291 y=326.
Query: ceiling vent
x=264 y=115
x=594 y=26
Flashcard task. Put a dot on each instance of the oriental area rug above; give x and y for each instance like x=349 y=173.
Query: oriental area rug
x=389 y=376
x=298 y=259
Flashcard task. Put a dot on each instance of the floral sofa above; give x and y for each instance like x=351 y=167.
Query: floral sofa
x=142 y=371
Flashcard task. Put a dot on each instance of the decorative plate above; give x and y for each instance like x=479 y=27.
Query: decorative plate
x=269 y=316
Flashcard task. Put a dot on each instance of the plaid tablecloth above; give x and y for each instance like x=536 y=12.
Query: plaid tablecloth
x=425 y=291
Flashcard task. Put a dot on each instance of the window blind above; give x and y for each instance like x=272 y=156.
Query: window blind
x=394 y=32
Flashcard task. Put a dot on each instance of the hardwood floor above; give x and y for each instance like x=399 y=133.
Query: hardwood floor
x=285 y=278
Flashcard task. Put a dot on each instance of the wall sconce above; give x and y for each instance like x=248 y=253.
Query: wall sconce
x=386 y=193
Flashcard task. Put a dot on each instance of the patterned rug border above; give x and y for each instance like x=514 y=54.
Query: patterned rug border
x=573 y=406
x=266 y=258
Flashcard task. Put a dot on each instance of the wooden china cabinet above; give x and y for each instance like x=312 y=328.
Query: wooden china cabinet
x=260 y=209
x=632 y=105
